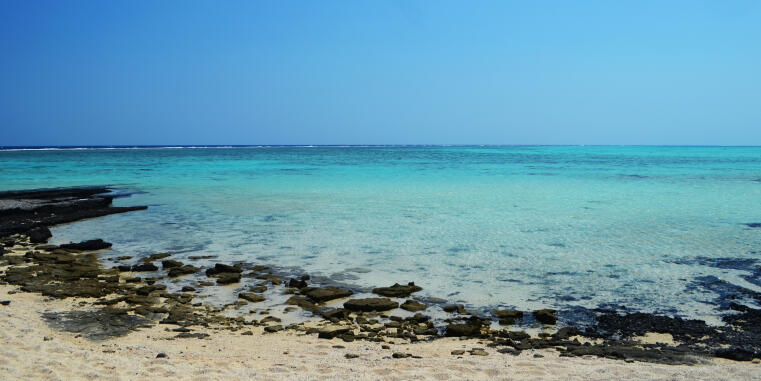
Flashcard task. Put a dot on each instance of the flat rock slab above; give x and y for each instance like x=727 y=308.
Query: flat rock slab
x=371 y=304
x=324 y=294
x=397 y=290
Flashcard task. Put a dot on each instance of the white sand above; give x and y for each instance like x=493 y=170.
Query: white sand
x=26 y=354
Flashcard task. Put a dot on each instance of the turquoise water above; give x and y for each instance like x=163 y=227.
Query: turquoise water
x=526 y=227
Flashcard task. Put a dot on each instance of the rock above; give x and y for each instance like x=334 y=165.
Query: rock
x=478 y=352
x=471 y=327
x=247 y=333
x=400 y=355
x=5 y=302
x=251 y=297
x=195 y=335
x=509 y=351
x=324 y=294
x=220 y=268
x=332 y=332
x=146 y=290
x=351 y=355
x=168 y=264
x=144 y=267
x=155 y=257
x=411 y=305
x=39 y=235
x=397 y=290
x=458 y=352
x=124 y=268
x=336 y=313
x=507 y=314
x=565 y=333
x=273 y=328
x=228 y=278
x=94 y=244
x=161 y=356
x=370 y=304
x=183 y=270
x=545 y=316
x=452 y=308
x=735 y=353
x=301 y=301
x=258 y=289
x=297 y=283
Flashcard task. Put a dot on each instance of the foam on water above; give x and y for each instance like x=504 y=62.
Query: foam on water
x=515 y=226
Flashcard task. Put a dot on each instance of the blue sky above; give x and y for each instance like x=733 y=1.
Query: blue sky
x=380 y=72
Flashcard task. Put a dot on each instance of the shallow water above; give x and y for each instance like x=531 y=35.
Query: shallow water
x=651 y=228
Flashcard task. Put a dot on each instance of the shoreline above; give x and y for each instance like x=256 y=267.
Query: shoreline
x=111 y=306
x=39 y=351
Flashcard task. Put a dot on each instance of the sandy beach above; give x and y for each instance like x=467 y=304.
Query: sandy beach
x=33 y=350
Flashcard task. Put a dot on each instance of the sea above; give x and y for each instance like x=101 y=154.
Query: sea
x=646 y=228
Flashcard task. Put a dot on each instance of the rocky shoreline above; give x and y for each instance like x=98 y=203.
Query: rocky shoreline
x=133 y=294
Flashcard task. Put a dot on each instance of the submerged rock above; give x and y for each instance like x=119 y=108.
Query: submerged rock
x=169 y=263
x=370 y=304
x=324 y=294
x=93 y=244
x=397 y=290
x=545 y=316
x=452 y=308
x=507 y=317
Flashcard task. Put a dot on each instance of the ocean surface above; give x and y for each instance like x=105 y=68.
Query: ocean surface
x=657 y=229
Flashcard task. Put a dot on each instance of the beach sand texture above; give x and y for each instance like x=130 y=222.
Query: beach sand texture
x=32 y=350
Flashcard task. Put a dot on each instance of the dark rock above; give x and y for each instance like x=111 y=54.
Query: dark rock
x=371 y=304
x=144 y=267
x=452 y=308
x=39 y=235
x=411 y=305
x=297 y=283
x=187 y=289
x=124 y=268
x=324 y=294
x=336 y=313
x=194 y=335
x=94 y=244
x=508 y=314
x=182 y=270
x=155 y=257
x=258 y=289
x=545 y=316
x=161 y=356
x=400 y=355
x=397 y=290
x=228 y=278
x=301 y=301
x=735 y=353
x=273 y=328
x=5 y=302
x=332 y=332
x=220 y=268
x=458 y=330
x=251 y=297
x=351 y=355
x=458 y=352
x=168 y=264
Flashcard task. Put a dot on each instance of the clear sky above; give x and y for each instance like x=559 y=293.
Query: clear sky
x=380 y=72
